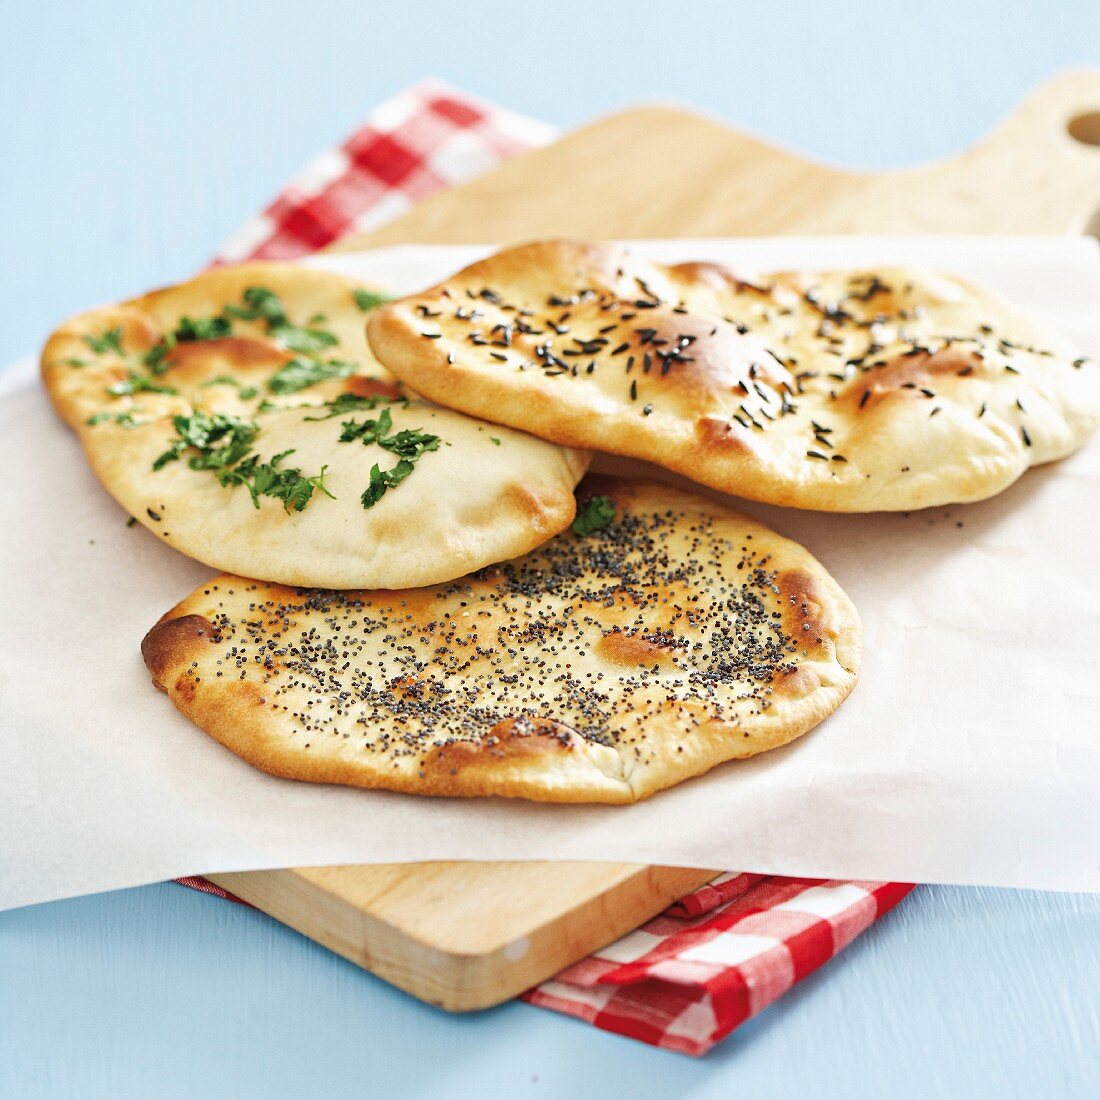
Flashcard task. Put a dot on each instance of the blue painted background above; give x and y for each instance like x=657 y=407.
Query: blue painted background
x=133 y=138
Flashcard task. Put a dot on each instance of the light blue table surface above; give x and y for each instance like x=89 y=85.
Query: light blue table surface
x=133 y=138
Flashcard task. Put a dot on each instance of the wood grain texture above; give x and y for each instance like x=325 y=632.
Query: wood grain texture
x=464 y=936
x=651 y=172
x=661 y=171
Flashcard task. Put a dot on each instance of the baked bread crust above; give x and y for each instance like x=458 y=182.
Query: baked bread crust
x=599 y=668
x=836 y=391
x=483 y=495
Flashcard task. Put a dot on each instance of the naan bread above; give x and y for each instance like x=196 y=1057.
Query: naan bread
x=271 y=361
x=600 y=668
x=839 y=391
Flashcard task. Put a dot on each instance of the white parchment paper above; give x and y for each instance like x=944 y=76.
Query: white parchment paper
x=969 y=752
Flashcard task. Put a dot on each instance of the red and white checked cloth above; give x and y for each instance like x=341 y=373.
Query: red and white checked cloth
x=687 y=978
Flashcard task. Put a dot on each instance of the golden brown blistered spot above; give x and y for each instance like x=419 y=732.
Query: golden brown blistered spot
x=724 y=435
x=911 y=374
x=538 y=505
x=185 y=687
x=514 y=738
x=252 y=693
x=717 y=277
x=805 y=605
x=717 y=362
x=139 y=330
x=798 y=682
x=234 y=351
x=173 y=641
x=373 y=387
x=633 y=650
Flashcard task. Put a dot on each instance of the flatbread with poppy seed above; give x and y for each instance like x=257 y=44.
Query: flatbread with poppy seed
x=672 y=636
x=837 y=391
x=242 y=418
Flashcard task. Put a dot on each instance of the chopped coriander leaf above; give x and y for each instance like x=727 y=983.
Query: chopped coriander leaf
x=260 y=304
x=381 y=481
x=137 y=383
x=203 y=328
x=367 y=431
x=131 y=521
x=300 y=373
x=220 y=440
x=74 y=362
x=155 y=358
x=125 y=419
x=597 y=513
x=493 y=439
x=410 y=443
x=302 y=339
x=111 y=340
x=222 y=444
x=370 y=299
x=248 y=393
x=351 y=402
x=271 y=479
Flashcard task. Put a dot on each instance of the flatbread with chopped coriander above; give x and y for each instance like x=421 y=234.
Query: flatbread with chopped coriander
x=660 y=637
x=242 y=418
x=838 y=391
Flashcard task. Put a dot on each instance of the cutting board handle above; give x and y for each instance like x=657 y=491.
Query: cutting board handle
x=1047 y=153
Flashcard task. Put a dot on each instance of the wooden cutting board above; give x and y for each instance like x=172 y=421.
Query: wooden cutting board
x=469 y=935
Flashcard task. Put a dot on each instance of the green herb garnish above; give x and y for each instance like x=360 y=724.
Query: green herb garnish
x=125 y=419
x=300 y=373
x=111 y=340
x=155 y=358
x=203 y=328
x=222 y=445
x=221 y=441
x=350 y=402
x=271 y=479
x=302 y=339
x=381 y=481
x=137 y=383
x=366 y=431
x=367 y=300
x=597 y=513
x=260 y=304
x=408 y=444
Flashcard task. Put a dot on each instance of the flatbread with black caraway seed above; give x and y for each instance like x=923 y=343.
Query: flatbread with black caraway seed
x=841 y=391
